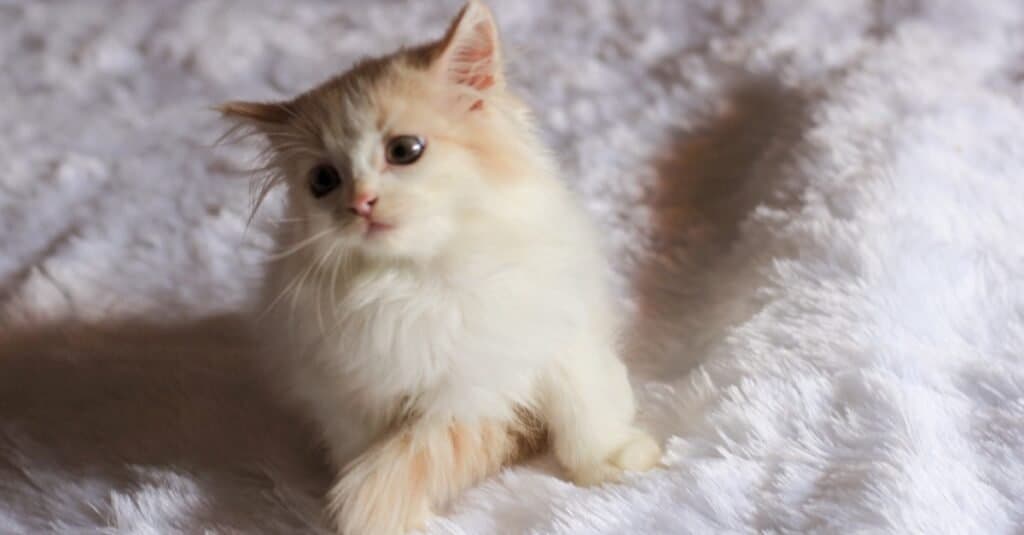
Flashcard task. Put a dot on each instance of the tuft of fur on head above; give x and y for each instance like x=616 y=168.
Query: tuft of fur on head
x=481 y=149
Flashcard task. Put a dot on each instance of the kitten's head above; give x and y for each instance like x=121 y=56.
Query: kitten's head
x=393 y=157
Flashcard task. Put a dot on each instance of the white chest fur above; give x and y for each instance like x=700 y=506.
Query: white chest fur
x=465 y=340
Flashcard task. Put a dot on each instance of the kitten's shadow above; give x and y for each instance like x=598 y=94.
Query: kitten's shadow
x=133 y=406
x=693 y=286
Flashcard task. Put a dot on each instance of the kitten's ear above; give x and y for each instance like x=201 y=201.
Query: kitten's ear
x=257 y=114
x=470 y=52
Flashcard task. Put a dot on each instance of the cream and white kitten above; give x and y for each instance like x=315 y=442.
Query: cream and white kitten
x=439 y=305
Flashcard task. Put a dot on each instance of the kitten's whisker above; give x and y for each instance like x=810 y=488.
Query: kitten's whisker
x=289 y=137
x=334 y=284
x=260 y=190
x=298 y=247
x=296 y=147
x=295 y=280
x=289 y=221
x=284 y=292
x=315 y=345
x=295 y=294
x=292 y=284
x=276 y=299
x=323 y=335
x=319 y=295
x=283 y=134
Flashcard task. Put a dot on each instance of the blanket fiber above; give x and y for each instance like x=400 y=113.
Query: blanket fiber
x=814 y=209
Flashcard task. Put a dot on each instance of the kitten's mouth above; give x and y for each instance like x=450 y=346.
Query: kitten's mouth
x=374 y=228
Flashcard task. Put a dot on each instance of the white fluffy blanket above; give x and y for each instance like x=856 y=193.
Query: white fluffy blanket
x=815 y=209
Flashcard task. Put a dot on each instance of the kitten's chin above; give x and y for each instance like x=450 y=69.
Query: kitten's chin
x=375 y=230
x=368 y=232
x=399 y=242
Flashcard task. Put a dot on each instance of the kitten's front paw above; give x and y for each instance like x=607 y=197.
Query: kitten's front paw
x=637 y=454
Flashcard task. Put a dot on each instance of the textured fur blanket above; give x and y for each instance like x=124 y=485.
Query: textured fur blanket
x=815 y=210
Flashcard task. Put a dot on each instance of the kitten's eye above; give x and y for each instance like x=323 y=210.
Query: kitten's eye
x=323 y=180
x=404 y=150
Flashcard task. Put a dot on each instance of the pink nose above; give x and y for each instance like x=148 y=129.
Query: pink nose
x=362 y=205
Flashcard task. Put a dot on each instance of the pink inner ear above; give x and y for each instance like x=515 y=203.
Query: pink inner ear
x=480 y=81
x=473 y=63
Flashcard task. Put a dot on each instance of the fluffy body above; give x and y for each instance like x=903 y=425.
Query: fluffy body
x=471 y=328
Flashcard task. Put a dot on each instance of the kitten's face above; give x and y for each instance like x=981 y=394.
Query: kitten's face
x=387 y=172
x=390 y=158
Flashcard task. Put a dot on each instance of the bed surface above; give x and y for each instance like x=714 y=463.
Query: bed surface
x=814 y=210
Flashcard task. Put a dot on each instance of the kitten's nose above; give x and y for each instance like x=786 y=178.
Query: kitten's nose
x=362 y=205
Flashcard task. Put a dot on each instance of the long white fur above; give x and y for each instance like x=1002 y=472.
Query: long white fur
x=489 y=297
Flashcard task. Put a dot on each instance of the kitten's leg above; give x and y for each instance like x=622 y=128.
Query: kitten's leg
x=589 y=407
x=392 y=487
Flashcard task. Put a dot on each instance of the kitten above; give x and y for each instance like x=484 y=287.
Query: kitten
x=439 y=305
